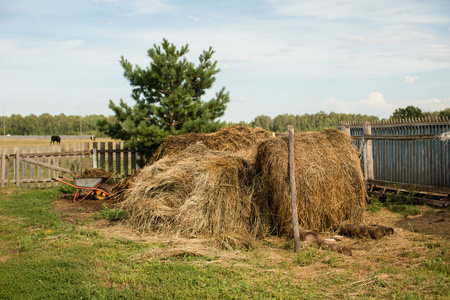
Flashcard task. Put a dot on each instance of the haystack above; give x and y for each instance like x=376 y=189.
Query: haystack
x=240 y=140
x=329 y=180
x=197 y=193
x=230 y=139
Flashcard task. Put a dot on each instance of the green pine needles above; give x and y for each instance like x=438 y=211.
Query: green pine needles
x=168 y=96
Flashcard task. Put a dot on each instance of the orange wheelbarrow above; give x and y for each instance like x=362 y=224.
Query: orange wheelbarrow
x=92 y=185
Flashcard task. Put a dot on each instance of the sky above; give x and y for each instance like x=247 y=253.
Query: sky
x=275 y=56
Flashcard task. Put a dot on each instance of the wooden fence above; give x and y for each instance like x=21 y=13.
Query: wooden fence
x=30 y=167
x=405 y=153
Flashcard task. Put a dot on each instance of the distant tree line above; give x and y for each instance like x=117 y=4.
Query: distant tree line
x=322 y=120
x=61 y=124
x=305 y=122
x=47 y=124
x=415 y=112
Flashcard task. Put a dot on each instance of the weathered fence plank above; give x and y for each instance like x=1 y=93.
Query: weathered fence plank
x=5 y=170
x=29 y=168
x=102 y=156
x=87 y=156
x=133 y=162
x=39 y=168
x=32 y=170
x=16 y=167
x=110 y=157
x=48 y=160
x=24 y=167
x=118 y=155
x=71 y=159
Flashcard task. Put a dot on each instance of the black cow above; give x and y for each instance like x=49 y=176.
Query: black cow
x=55 y=139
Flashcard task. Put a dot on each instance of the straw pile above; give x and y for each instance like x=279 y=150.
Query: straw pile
x=240 y=140
x=231 y=139
x=233 y=186
x=329 y=181
x=197 y=193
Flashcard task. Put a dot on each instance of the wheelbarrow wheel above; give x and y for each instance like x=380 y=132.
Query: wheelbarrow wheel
x=100 y=194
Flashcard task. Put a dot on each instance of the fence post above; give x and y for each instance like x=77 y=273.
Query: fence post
x=293 y=188
x=346 y=128
x=368 y=154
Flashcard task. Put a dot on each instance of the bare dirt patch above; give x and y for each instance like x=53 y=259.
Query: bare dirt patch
x=72 y=212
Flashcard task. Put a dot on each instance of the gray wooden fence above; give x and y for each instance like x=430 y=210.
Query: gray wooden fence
x=35 y=167
x=408 y=153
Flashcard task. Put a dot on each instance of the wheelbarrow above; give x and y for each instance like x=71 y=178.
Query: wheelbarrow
x=92 y=185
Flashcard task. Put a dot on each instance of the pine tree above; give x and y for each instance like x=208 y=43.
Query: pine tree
x=168 y=97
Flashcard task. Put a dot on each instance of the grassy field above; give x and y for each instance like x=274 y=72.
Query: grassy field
x=11 y=143
x=51 y=248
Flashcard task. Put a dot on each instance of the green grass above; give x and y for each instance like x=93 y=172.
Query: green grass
x=43 y=257
x=374 y=205
x=395 y=203
x=112 y=214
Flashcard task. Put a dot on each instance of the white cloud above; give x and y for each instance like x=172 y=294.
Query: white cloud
x=194 y=18
x=431 y=104
x=411 y=79
x=148 y=7
x=369 y=10
x=393 y=35
x=437 y=52
x=226 y=67
x=7 y=47
x=376 y=101
x=431 y=101
x=375 y=105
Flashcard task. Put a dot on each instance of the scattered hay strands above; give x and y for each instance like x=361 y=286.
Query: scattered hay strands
x=329 y=180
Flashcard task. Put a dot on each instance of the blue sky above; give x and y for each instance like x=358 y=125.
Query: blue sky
x=275 y=56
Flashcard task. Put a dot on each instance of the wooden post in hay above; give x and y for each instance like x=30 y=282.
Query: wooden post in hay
x=293 y=188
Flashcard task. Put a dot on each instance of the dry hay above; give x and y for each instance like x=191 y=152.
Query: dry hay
x=197 y=193
x=232 y=139
x=93 y=173
x=329 y=181
x=239 y=139
x=118 y=190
